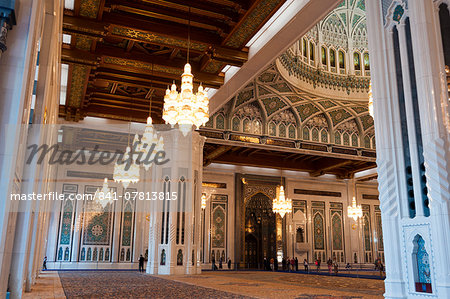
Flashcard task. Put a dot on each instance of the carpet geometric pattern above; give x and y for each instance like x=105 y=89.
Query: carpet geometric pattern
x=131 y=284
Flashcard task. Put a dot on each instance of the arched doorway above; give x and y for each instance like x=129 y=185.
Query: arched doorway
x=260 y=231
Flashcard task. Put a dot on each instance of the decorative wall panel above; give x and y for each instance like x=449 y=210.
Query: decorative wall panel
x=219 y=214
x=367 y=240
x=67 y=218
x=423 y=263
x=97 y=228
x=127 y=227
x=379 y=233
x=318 y=211
x=337 y=232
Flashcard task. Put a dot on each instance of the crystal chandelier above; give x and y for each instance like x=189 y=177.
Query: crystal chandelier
x=148 y=139
x=186 y=108
x=128 y=171
x=104 y=195
x=354 y=211
x=370 y=99
x=281 y=204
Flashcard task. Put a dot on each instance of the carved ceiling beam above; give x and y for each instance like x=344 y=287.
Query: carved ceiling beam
x=368 y=178
x=79 y=57
x=178 y=32
x=215 y=153
x=120 y=113
x=368 y=165
x=161 y=68
x=127 y=101
x=229 y=3
x=199 y=8
x=131 y=29
x=171 y=15
x=327 y=169
x=99 y=101
x=262 y=160
x=130 y=82
x=84 y=25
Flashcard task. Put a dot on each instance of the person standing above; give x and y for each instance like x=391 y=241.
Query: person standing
x=318 y=261
x=348 y=266
x=381 y=267
x=283 y=264
x=44 y=264
x=275 y=264
x=229 y=263
x=305 y=264
x=296 y=264
x=220 y=263
x=330 y=265
x=292 y=265
x=213 y=261
x=336 y=267
x=141 y=263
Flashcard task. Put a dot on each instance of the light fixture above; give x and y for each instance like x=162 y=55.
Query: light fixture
x=370 y=99
x=203 y=201
x=186 y=108
x=281 y=204
x=148 y=139
x=354 y=211
x=103 y=195
x=126 y=172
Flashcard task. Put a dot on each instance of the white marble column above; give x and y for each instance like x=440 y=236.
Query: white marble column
x=435 y=124
x=185 y=154
x=389 y=147
x=409 y=110
x=15 y=64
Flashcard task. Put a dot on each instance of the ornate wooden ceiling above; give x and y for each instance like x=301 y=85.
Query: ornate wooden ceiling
x=315 y=165
x=272 y=152
x=124 y=53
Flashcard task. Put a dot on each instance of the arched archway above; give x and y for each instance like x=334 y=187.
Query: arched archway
x=260 y=231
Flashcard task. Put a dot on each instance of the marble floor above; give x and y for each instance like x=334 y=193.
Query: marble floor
x=218 y=284
x=48 y=285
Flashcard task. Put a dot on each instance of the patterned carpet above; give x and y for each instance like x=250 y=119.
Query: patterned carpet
x=131 y=284
x=262 y=284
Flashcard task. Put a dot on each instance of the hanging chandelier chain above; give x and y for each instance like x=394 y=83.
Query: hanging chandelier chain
x=151 y=93
x=189 y=33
